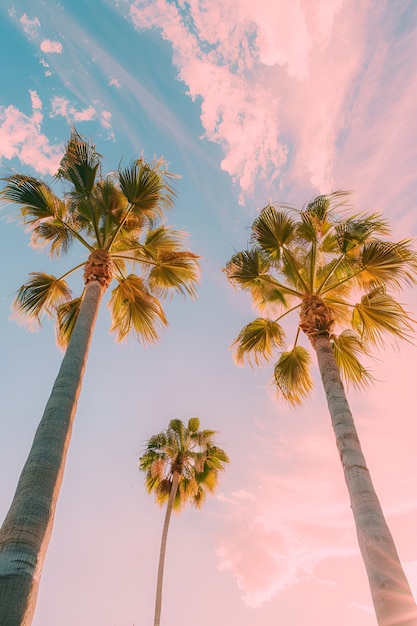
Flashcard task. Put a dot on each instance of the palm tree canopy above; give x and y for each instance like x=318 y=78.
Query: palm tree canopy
x=318 y=261
x=120 y=214
x=190 y=453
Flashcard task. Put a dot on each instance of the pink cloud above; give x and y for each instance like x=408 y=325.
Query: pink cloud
x=51 y=47
x=63 y=107
x=30 y=26
x=114 y=82
x=21 y=137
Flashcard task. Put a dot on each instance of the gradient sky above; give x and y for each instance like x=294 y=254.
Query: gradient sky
x=248 y=102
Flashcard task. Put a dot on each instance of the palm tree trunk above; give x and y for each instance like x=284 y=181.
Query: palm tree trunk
x=26 y=530
x=391 y=594
x=158 y=597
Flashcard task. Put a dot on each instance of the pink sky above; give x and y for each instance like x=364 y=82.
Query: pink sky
x=300 y=98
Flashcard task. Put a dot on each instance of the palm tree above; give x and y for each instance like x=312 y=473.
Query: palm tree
x=315 y=261
x=118 y=218
x=181 y=463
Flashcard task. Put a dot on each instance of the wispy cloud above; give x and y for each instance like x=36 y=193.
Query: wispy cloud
x=30 y=25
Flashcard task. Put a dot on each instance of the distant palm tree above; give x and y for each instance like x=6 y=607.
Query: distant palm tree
x=315 y=261
x=181 y=464
x=118 y=219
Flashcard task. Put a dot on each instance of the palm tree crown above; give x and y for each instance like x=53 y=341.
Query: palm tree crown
x=118 y=218
x=188 y=452
x=315 y=261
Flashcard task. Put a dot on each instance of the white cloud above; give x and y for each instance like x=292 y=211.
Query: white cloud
x=51 y=47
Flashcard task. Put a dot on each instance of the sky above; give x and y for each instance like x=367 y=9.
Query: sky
x=249 y=103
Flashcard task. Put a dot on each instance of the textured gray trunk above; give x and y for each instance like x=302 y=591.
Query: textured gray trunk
x=160 y=577
x=26 y=530
x=391 y=594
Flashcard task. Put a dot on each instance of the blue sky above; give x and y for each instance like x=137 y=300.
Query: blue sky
x=247 y=104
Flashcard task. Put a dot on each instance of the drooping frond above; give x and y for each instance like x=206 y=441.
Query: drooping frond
x=80 y=164
x=292 y=375
x=56 y=234
x=378 y=314
x=272 y=230
x=148 y=188
x=36 y=198
x=42 y=293
x=67 y=314
x=389 y=263
x=347 y=349
x=133 y=308
x=178 y=271
x=257 y=341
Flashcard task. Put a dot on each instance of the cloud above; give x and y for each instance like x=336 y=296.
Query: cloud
x=51 y=47
x=114 y=82
x=277 y=82
x=60 y=105
x=30 y=26
x=21 y=137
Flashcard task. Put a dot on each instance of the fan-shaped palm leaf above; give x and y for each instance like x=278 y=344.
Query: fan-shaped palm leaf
x=42 y=293
x=389 y=263
x=257 y=341
x=54 y=232
x=347 y=348
x=79 y=165
x=36 y=197
x=133 y=308
x=272 y=230
x=67 y=314
x=378 y=314
x=292 y=375
x=174 y=270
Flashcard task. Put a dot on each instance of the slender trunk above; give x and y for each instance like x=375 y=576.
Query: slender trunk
x=391 y=594
x=26 y=530
x=158 y=598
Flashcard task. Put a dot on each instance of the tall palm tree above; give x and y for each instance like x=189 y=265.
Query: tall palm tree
x=182 y=464
x=316 y=261
x=118 y=218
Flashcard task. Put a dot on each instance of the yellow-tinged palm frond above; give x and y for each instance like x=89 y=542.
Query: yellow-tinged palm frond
x=80 y=164
x=133 y=308
x=389 y=263
x=36 y=198
x=354 y=231
x=178 y=271
x=42 y=293
x=292 y=375
x=163 y=240
x=347 y=348
x=257 y=341
x=148 y=188
x=56 y=234
x=67 y=314
x=272 y=230
x=378 y=314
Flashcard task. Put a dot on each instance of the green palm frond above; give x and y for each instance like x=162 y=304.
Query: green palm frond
x=178 y=271
x=378 y=314
x=67 y=314
x=247 y=269
x=272 y=230
x=80 y=164
x=133 y=308
x=54 y=232
x=148 y=188
x=258 y=341
x=355 y=231
x=163 y=240
x=389 y=263
x=42 y=293
x=292 y=375
x=347 y=348
x=36 y=198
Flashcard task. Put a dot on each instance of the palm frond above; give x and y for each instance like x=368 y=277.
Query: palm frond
x=389 y=263
x=148 y=188
x=178 y=271
x=80 y=164
x=347 y=348
x=257 y=341
x=42 y=293
x=356 y=230
x=292 y=375
x=378 y=314
x=67 y=315
x=54 y=232
x=133 y=308
x=272 y=230
x=36 y=197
